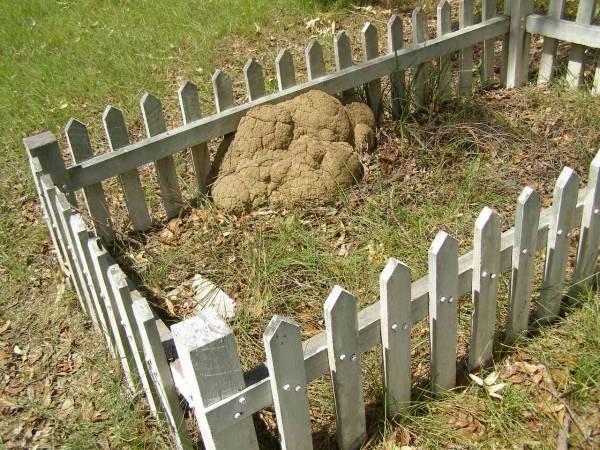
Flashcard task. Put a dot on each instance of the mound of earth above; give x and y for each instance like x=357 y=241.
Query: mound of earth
x=301 y=149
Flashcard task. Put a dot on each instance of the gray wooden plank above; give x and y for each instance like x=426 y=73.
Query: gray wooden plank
x=121 y=292
x=596 y=83
x=258 y=393
x=396 y=325
x=443 y=302
x=370 y=50
x=116 y=134
x=517 y=62
x=208 y=355
x=465 y=76
x=395 y=42
x=100 y=261
x=505 y=44
x=585 y=14
x=343 y=350
x=50 y=193
x=81 y=236
x=109 y=164
x=546 y=67
x=420 y=72
x=166 y=172
x=315 y=64
x=64 y=212
x=488 y=11
x=523 y=262
x=189 y=104
x=158 y=367
x=79 y=144
x=589 y=234
x=284 y=67
x=223 y=92
x=342 y=50
x=564 y=30
x=564 y=202
x=486 y=265
x=285 y=361
x=444 y=26
x=255 y=82
x=36 y=173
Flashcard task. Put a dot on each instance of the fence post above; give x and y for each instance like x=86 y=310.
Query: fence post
x=589 y=235
x=158 y=366
x=564 y=203
x=523 y=260
x=518 y=43
x=486 y=270
x=342 y=50
x=190 y=111
x=396 y=325
x=285 y=362
x=443 y=303
x=208 y=355
x=341 y=323
x=488 y=11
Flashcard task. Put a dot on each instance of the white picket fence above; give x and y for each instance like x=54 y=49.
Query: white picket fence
x=197 y=360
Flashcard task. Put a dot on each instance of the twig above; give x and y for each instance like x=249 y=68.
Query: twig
x=584 y=432
x=562 y=443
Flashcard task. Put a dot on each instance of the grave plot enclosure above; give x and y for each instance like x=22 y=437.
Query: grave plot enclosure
x=197 y=358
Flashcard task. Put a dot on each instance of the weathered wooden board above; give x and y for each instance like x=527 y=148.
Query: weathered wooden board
x=585 y=14
x=443 y=311
x=285 y=361
x=370 y=50
x=564 y=30
x=315 y=64
x=284 y=67
x=517 y=63
x=189 y=103
x=396 y=325
x=546 y=66
x=79 y=144
x=465 y=77
x=486 y=265
x=395 y=37
x=421 y=71
x=341 y=328
x=488 y=11
x=523 y=262
x=444 y=26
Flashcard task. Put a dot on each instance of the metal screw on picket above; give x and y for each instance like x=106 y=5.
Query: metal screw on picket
x=524 y=251
x=405 y=326
x=450 y=299
x=286 y=387
x=492 y=276
x=242 y=400
x=237 y=415
x=443 y=300
x=394 y=327
x=353 y=358
x=597 y=211
x=559 y=232
x=298 y=388
x=342 y=357
x=484 y=274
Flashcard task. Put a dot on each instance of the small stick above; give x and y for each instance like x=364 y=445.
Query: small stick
x=562 y=443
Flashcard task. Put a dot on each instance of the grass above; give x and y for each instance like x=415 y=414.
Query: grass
x=61 y=59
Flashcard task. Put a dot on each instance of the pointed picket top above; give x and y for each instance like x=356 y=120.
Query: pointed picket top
x=284 y=66
x=114 y=125
x=342 y=49
x=395 y=34
x=339 y=298
x=78 y=140
x=442 y=244
x=566 y=181
x=369 y=40
x=444 y=11
x=394 y=272
x=189 y=102
x=529 y=198
x=315 y=65
x=279 y=326
x=485 y=218
x=419 y=26
x=223 y=90
x=255 y=83
x=154 y=120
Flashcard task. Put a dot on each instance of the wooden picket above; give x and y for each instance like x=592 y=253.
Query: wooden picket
x=465 y=78
x=395 y=39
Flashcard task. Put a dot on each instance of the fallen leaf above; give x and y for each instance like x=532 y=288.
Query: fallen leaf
x=476 y=379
